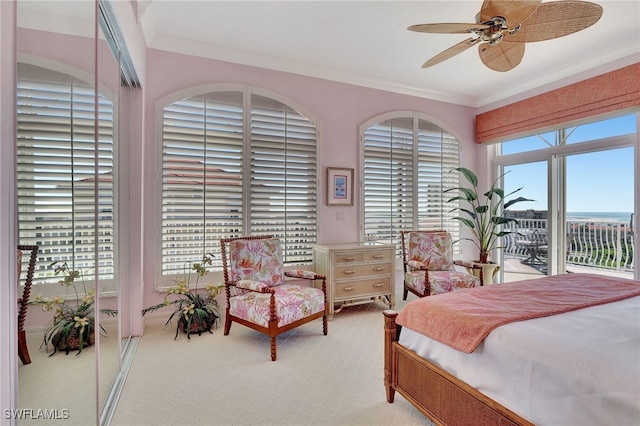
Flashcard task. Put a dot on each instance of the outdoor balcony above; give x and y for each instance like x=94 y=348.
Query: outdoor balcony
x=591 y=246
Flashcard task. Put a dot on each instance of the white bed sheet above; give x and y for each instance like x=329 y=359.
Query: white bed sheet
x=576 y=368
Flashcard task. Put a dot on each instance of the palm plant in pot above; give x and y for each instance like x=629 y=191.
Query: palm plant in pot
x=484 y=212
x=195 y=311
x=73 y=323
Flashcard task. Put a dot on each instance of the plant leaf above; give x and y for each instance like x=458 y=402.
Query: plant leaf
x=468 y=174
x=515 y=200
x=466 y=221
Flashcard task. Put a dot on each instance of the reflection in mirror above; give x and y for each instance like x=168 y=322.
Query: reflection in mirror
x=56 y=195
x=68 y=130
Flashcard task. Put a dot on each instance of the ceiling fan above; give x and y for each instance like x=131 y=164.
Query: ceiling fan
x=504 y=26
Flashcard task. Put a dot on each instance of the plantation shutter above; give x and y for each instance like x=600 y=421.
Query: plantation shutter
x=283 y=177
x=201 y=177
x=406 y=168
x=55 y=172
x=389 y=179
x=438 y=153
x=216 y=147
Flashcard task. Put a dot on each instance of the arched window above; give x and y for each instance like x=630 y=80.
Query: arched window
x=406 y=164
x=236 y=162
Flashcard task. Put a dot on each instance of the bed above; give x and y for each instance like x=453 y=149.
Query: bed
x=571 y=356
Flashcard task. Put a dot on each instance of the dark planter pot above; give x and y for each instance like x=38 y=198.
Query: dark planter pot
x=72 y=342
x=196 y=327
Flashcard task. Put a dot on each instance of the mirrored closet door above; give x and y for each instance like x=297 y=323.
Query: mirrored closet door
x=69 y=87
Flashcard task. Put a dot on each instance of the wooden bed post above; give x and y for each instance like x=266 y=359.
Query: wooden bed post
x=390 y=336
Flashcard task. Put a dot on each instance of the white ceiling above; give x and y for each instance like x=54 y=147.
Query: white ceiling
x=367 y=43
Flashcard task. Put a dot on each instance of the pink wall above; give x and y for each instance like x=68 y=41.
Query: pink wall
x=339 y=110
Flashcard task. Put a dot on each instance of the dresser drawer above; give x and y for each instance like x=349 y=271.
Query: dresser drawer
x=378 y=256
x=362 y=270
x=347 y=257
x=359 y=288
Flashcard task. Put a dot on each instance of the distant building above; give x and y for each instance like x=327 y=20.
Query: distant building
x=526 y=214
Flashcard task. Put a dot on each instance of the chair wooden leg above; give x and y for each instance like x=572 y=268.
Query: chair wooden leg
x=324 y=324
x=227 y=324
x=273 y=349
x=23 y=351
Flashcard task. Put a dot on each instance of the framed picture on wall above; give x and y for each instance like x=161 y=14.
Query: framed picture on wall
x=339 y=186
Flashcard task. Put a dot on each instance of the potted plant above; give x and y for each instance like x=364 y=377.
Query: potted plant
x=483 y=214
x=73 y=324
x=195 y=311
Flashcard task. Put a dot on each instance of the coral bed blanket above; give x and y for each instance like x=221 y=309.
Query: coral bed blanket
x=462 y=319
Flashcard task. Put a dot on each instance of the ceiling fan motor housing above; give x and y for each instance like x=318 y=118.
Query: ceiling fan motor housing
x=492 y=35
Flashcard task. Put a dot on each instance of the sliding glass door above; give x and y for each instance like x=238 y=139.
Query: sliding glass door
x=599 y=218
x=523 y=254
x=582 y=179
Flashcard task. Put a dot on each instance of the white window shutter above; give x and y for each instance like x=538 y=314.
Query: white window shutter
x=56 y=176
x=406 y=166
x=215 y=147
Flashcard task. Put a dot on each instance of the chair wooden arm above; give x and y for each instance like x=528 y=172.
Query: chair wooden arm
x=467 y=264
x=309 y=275
x=412 y=265
x=251 y=285
x=303 y=274
x=245 y=287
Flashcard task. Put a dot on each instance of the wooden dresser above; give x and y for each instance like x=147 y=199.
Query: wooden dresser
x=356 y=273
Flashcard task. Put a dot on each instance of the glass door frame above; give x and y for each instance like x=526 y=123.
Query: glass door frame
x=555 y=157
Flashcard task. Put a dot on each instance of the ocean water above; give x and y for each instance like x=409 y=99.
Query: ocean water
x=623 y=217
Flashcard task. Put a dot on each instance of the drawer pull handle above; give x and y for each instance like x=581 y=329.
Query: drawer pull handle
x=378 y=269
x=348 y=259
x=348 y=272
x=349 y=288
x=378 y=256
x=378 y=285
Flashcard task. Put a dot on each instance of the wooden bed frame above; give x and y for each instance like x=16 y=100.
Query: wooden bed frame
x=442 y=397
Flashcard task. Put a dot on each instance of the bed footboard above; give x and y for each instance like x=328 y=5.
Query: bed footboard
x=443 y=398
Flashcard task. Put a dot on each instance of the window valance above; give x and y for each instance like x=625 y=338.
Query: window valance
x=610 y=92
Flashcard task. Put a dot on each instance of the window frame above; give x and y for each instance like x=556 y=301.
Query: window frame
x=452 y=226
x=163 y=281
x=45 y=280
x=554 y=156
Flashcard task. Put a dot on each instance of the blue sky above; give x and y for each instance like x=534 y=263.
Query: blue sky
x=596 y=182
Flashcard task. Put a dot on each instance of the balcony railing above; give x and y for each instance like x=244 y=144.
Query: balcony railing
x=605 y=245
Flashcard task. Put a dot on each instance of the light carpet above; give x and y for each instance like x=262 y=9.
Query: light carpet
x=230 y=380
x=65 y=384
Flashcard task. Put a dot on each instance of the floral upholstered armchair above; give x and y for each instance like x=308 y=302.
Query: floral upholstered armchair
x=257 y=295
x=429 y=267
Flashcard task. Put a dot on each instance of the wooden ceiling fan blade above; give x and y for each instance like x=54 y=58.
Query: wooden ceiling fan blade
x=514 y=11
x=450 y=52
x=556 y=19
x=502 y=56
x=447 y=28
